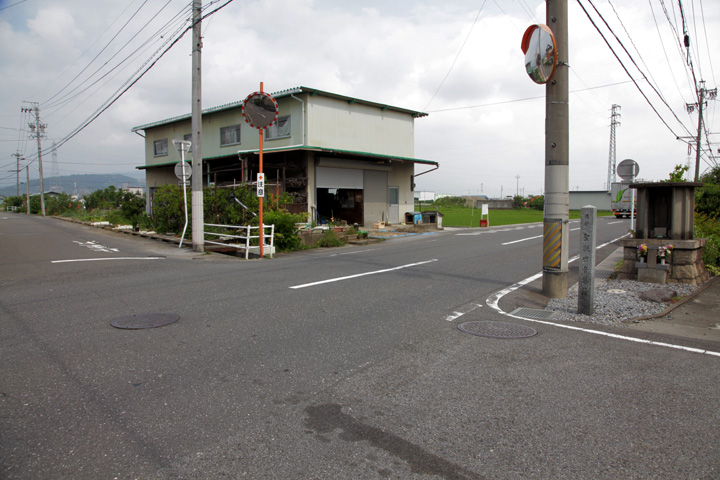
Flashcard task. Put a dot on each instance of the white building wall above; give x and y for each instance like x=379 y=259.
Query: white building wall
x=333 y=123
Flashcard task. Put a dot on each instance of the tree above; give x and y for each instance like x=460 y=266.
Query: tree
x=707 y=197
x=678 y=175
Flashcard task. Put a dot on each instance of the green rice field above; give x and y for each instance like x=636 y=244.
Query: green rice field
x=468 y=217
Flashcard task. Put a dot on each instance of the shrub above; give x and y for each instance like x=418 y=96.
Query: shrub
x=450 y=202
x=286 y=235
x=168 y=209
x=709 y=228
x=329 y=239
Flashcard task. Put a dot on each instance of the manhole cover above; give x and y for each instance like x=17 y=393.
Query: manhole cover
x=145 y=320
x=497 y=329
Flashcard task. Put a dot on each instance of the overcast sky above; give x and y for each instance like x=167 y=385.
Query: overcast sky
x=458 y=60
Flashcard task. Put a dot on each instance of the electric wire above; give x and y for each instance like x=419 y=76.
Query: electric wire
x=679 y=45
x=662 y=98
x=456 y=56
x=69 y=97
x=633 y=80
x=523 y=99
x=97 y=55
x=131 y=82
x=642 y=60
x=707 y=42
x=142 y=48
x=667 y=59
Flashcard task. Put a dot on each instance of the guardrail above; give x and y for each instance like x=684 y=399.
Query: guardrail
x=268 y=248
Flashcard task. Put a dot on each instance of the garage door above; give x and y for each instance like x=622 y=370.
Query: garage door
x=330 y=177
x=375 y=196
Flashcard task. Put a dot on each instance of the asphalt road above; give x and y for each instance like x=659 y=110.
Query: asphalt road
x=324 y=364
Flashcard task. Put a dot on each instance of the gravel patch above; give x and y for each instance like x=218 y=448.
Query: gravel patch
x=616 y=301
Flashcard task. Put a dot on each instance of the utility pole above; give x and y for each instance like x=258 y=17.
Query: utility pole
x=517 y=185
x=17 y=155
x=38 y=131
x=712 y=94
x=198 y=216
x=27 y=188
x=611 y=158
x=557 y=164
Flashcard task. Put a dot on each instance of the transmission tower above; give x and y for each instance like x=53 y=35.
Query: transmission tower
x=614 y=116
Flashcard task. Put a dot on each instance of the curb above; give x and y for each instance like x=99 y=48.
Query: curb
x=682 y=302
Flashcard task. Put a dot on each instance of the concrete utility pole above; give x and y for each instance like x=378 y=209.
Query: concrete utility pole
x=198 y=216
x=38 y=131
x=712 y=94
x=17 y=155
x=557 y=165
x=27 y=188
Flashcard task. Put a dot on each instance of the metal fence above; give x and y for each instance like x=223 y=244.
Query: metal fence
x=245 y=237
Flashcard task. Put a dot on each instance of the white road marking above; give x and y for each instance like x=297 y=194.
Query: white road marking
x=522 y=240
x=352 y=253
x=493 y=300
x=338 y=279
x=456 y=315
x=103 y=259
x=96 y=247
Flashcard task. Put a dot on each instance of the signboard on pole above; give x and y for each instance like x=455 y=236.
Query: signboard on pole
x=261 y=185
x=183 y=171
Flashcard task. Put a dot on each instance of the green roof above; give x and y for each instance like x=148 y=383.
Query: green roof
x=280 y=94
x=312 y=149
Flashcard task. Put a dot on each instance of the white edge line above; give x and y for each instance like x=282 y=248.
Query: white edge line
x=493 y=300
x=108 y=258
x=338 y=279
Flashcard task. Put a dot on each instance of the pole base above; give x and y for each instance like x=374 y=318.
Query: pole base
x=555 y=284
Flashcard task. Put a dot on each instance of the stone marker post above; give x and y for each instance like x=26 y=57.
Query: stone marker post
x=586 y=284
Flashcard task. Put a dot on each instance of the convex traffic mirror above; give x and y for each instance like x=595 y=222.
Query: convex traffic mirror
x=538 y=45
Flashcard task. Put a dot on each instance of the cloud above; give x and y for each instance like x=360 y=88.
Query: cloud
x=400 y=53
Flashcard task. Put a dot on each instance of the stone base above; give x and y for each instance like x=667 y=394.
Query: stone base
x=685 y=264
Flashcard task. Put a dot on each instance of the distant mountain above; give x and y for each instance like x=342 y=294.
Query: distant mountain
x=82 y=184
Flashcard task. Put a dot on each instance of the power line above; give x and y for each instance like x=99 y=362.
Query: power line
x=662 y=98
x=67 y=98
x=629 y=75
x=525 y=99
x=94 y=58
x=131 y=82
x=456 y=56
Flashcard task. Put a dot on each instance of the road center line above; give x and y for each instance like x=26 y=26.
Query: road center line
x=338 y=279
x=109 y=258
x=522 y=240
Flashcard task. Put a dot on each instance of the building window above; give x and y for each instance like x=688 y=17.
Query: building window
x=280 y=129
x=188 y=138
x=230 y=135
x=160 y=147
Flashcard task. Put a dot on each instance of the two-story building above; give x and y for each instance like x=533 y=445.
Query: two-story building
x=338 y=157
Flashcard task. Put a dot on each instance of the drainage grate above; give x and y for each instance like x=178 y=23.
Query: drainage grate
x=145 y=320
x=534 y=313
x=497 y=329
